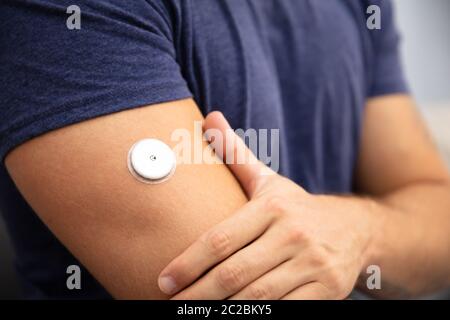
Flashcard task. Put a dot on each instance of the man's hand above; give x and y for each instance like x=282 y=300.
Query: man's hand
x=283 y=244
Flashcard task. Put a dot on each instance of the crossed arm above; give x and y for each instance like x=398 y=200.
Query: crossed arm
x=126 y=232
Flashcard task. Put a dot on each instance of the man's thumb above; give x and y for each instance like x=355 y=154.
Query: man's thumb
x=249 y=171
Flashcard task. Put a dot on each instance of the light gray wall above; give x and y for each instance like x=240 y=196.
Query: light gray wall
x=425 y=28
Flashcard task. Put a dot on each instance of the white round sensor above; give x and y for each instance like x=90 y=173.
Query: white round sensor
x=151 y=160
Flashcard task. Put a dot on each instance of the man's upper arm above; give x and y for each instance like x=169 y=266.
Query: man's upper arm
x=396 y=149
x=124 y=231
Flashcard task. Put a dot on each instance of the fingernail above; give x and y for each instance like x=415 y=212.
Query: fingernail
x=167 y=284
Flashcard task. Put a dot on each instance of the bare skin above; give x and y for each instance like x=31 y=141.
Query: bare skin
x=126 y=232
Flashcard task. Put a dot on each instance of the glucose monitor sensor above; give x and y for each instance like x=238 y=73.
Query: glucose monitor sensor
x=151 y=161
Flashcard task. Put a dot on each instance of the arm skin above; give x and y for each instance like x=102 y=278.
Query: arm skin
x=401 y=170
x=288 y=244
x=124 y=231
x=117 y=226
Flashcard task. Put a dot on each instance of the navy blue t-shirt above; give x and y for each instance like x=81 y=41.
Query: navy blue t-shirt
x=305 y=67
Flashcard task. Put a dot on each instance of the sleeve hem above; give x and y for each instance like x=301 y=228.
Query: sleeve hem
x=387 y=88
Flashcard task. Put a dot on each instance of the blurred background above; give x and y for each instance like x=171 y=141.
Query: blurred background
x=425 y=29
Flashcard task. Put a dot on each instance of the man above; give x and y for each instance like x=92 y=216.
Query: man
x=359 y=184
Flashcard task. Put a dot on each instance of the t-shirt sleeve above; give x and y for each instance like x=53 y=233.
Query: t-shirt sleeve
x=387 y=76
x=52 y=76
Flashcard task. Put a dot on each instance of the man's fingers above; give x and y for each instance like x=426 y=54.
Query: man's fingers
x=310 y=291
x=216 y=245
x=233 y=151
x=276 y=283
x=242 y=268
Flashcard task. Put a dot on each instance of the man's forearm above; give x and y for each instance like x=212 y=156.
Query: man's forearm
x=411 y=243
